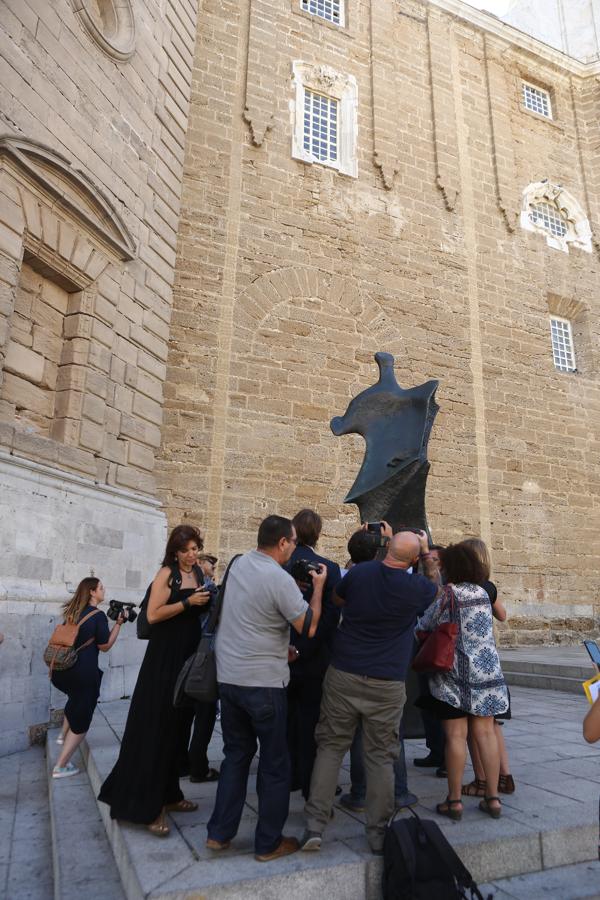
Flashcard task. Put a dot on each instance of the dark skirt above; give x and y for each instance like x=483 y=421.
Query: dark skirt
x=83 y=690
x=439 y=709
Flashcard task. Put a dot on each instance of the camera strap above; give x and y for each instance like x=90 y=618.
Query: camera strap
x=308 y=615
x=215 y=613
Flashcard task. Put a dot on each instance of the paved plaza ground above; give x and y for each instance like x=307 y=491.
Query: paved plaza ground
x=549 y=824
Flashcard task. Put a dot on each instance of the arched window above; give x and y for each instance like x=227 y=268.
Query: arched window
x=550 y=210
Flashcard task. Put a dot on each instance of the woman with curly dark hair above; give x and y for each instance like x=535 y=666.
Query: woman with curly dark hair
x=474 y=690
x=145 y=779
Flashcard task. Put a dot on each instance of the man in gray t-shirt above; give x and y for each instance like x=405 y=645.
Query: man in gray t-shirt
x=261 y=602
x=252 y=642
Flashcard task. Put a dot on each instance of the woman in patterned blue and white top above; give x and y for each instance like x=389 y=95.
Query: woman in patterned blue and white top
x=474 y=690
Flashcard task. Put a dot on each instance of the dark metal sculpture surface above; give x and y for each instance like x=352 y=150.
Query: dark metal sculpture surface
x=396 y=425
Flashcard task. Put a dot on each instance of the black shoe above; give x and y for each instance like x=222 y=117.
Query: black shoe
x=427 y=762
x=338 y=790
x=441 y=771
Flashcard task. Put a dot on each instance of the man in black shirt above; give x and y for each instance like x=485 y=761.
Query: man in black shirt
x=365 y=681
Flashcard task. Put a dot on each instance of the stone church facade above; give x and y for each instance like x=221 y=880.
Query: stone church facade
x=212 y=214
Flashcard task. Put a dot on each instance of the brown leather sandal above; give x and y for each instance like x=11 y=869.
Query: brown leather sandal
x=445 y=809
x=494 y=811
x=475 y=788
x=182 y=806
x=506 y=784
x=159 y=828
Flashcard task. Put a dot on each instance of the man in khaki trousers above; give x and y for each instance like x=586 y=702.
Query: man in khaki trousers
x=365 y=681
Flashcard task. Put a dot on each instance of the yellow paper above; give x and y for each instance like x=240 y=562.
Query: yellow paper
x=592 y=688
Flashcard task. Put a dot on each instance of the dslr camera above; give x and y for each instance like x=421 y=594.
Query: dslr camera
x=301 y=570
x=116 y=609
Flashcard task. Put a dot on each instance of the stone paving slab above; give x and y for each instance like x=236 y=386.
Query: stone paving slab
x=578 y=882
x=551 y=820
x=83 y=862
x=25 y=845
x=555 y=668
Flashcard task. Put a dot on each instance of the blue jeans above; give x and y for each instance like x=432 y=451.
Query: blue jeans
x=248 y=715
x=358 y=778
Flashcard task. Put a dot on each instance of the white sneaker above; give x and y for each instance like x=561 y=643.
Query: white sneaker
x=60 y=740
x=65 y=771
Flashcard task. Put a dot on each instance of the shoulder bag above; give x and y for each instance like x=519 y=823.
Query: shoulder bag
x=438 y=647
x=197 y=681
x=61 y=654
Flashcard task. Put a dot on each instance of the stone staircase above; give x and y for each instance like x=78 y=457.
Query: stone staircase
x=549 y=823
x=549 y=668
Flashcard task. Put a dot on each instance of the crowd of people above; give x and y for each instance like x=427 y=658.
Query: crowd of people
x=312 y=662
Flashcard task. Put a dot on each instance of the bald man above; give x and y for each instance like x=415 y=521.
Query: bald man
x=364 y=684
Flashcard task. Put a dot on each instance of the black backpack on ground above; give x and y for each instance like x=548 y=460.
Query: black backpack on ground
x=420 y=864
x=143 y=626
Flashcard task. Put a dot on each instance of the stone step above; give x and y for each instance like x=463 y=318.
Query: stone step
x=579 y=882
x=551 y=821
x=544 y=682
x=82 y=859
x=548 y=668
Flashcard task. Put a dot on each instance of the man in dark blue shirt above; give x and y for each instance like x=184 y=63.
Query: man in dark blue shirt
x=365 y=681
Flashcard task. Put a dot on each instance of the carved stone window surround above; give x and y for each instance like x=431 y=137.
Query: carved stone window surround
x=578 y=232
x=342 y=87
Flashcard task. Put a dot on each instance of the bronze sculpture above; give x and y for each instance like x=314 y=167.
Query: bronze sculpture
x=396 y=424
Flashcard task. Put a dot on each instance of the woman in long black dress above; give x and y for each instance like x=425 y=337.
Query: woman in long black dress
x=81 y=683
x=145 y=779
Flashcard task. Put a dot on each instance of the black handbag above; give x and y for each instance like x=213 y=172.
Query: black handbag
x=197 y=680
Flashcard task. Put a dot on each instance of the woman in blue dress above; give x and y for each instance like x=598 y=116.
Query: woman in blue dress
x=81 y=683
x=474 y=690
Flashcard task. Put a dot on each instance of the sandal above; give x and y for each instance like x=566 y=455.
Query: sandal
x=506 y=784
x=445 y=809
x=182 y=806
x=494 y=811
x=159 y=828
x=211 y=775
x=475 y=788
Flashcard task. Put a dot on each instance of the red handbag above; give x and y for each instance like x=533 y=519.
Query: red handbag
x=438 y=647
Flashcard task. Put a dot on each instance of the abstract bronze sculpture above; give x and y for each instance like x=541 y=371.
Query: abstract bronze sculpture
x=396 y=425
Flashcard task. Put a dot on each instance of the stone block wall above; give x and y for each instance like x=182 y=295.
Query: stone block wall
x=94 y=100
x=291 y=275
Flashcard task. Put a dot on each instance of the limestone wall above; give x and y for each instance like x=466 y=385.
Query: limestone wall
x=291 y=275
x=94 y=99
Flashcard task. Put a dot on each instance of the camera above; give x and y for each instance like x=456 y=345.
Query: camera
x=301 y=570
x=116 y=609
x=374 y=527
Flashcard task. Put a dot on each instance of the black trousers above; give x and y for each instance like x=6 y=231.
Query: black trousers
x=304 y=706
x=193 y=756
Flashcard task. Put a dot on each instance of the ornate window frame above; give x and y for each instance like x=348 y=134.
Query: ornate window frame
x=577 y=227
x=322 y=79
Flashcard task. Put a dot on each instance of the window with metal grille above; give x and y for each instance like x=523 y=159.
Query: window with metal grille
x=331 y=10
x=321 y=126
x=563 y=351
x=537 y=100
x=549 y=217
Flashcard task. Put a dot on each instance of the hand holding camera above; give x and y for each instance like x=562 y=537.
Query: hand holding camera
x=121 y=612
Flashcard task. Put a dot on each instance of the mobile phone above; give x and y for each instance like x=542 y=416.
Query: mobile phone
x=374 y=527
x=594 y=650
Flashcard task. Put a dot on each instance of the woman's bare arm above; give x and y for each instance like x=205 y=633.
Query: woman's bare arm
x=158 y=610
x=591 y=723
x=114 y=634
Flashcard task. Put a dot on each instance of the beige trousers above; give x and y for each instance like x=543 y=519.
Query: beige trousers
x=348 y=701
